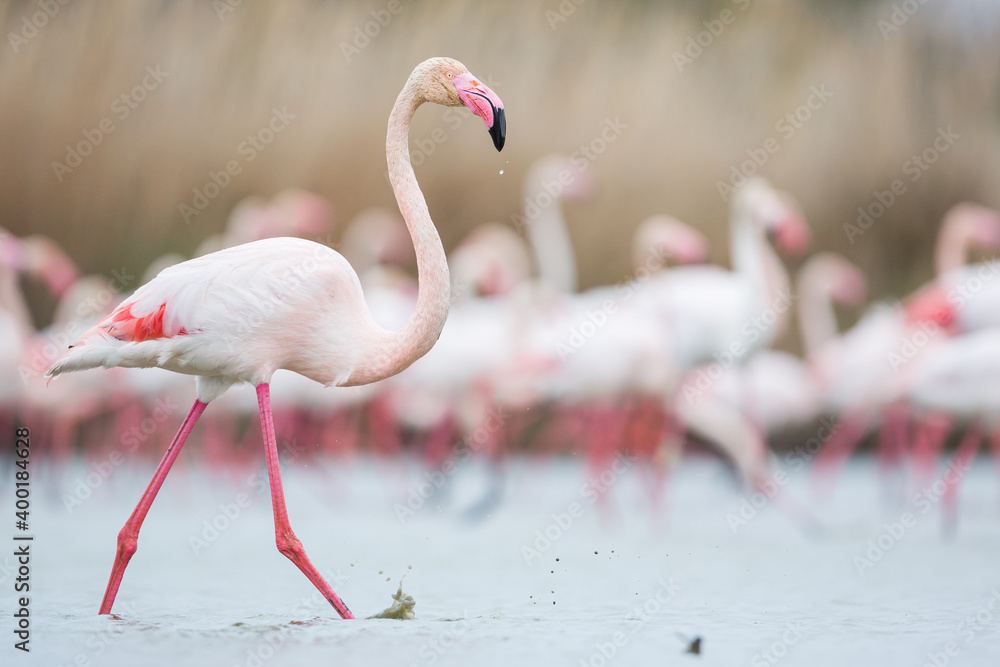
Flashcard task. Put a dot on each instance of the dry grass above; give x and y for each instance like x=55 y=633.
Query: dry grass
x=607 y=60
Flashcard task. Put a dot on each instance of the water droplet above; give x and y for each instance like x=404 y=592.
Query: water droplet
x=501 y=172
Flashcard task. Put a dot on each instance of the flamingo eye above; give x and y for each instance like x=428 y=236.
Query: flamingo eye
x=449 y=75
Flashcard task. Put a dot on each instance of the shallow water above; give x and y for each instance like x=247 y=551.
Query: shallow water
x=611 y=583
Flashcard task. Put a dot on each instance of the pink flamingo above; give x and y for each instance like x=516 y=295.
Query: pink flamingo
x=962 y=297
x=240 y=314
x=957 y=378
x=856 y=369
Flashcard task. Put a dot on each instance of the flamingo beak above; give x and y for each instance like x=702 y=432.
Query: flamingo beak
x=484 y=103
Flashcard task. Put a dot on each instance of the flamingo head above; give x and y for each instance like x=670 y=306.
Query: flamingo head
x=670 y=237
x=50 y=263
x=449 y=83
x=492 y=259
x=777 y=213
x=792 y=233
x=567 y=178
x=306 y=214
x=986 y=226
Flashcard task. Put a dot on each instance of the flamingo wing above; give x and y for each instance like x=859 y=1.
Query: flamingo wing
x=194 y=316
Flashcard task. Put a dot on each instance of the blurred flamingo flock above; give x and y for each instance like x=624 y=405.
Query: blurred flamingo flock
x=678 y=355
x=592 y=323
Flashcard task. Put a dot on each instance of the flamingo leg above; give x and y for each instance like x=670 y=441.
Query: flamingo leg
x=836 y=452
x=960 y=464
x=893 y=440
x=129 y=534
x=929 y=438
x=288 y=544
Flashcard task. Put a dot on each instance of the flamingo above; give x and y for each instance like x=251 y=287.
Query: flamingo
x=962 y=297
x=957 y=378
x=239 y=314
x=552 y=179
x=776 y=389
x=853 y=368
x=711 y=314
x=292 y=212
x=617 y=369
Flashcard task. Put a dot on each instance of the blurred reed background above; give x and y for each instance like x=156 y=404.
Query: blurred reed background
x=562 y=70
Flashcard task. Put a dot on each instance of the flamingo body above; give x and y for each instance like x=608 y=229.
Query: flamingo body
x=238 y=315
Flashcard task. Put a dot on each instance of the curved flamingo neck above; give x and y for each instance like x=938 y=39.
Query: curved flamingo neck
x=751 y=255
x=390 y=352
x=11 y=298
x=549 y=237
x=956 y=238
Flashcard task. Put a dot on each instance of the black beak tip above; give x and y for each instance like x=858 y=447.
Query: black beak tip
x=499 y=129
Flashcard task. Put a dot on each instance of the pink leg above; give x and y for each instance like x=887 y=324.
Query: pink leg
x=383 y=430
x=893 y=442
x=606 y=431
x=893 y=437
x=439 y=443
x=128 y=536
x=960 y=464
x=928 y=439
x=836 y=452
x=288 y=544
